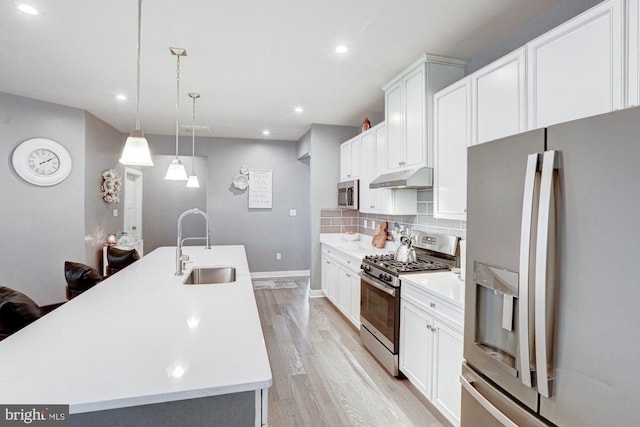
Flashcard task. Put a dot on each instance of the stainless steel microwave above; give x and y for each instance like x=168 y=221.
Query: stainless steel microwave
x=348 y=194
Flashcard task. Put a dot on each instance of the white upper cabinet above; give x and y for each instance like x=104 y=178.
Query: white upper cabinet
x=350 y=159
x=633 y=53
x=452 y=130
x=380 y=200
x=576 y=69
x=408 y=105
x=368 y=170
x=498 y=93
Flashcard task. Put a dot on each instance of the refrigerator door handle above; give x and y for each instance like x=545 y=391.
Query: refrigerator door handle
x=484 y=402
x=544 y=272
x=526 y=232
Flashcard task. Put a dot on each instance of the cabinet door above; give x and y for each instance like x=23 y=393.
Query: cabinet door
x=447 y=368
x=575 y=70
x=416 y=346
x=452 y=112
x=344 y=290
x=355 y=300
x=345 y=161
x=329 y=278
x=355 y=157
x=368 y=172
x=498 y=93
x=633 y=53
x=415 y=141
x=394 y=123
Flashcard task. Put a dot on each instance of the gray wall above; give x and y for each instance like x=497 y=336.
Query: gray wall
x=103 y=145
x=163 y=202
x=41 y=227
x=550 y=19
x=264 y=232
x=324 y=175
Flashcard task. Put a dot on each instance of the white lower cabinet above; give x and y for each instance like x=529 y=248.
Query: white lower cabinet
x=447 y=351
x=329 y=278
x=341 y=282
x=416 y=346
x=431 y=348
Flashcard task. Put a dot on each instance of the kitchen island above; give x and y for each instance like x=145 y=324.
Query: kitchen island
x=141 y=348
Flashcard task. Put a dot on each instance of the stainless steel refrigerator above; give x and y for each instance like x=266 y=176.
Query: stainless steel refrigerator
x=552 y=309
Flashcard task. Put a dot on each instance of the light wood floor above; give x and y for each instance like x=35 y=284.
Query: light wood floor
x=322 y=376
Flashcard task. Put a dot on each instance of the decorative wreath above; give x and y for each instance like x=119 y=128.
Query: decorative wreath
x=110 y=187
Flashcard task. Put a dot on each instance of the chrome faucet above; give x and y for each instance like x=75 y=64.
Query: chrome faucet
x=180 y=258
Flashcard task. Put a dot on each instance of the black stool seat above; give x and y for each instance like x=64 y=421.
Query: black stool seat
x=117 y=259
x=16 y=311
x=80 y=277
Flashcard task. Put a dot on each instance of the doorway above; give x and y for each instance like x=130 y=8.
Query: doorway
x=133 y=202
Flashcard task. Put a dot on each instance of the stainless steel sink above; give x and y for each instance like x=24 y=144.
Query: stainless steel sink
x=211 y=275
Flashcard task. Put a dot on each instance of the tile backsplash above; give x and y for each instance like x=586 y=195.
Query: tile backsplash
x=343 y=220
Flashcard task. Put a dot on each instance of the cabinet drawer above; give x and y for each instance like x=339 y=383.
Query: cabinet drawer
x=422 y=298
x=349 y=261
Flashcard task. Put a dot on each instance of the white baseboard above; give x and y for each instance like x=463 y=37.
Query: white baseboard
x=272 y=274
x=316 y=293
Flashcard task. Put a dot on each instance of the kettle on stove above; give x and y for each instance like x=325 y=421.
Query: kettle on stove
x=405 y=252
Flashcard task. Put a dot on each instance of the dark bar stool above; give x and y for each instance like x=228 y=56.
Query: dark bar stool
x=117 y=259
x=16 y=311
x=80 y=277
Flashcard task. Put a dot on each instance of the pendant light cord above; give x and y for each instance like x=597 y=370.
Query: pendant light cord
x=177 y=102
x=138 y=77
x=193 y=139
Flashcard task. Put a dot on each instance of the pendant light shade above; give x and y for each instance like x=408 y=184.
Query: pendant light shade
x=176 y=171
x=193 y=178
x=193 y=181
x=136 y=149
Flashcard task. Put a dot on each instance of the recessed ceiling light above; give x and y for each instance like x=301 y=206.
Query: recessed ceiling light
x=121 y=97
x=266 y=132
x=342 y=49
x=298 y=110
x=28 y=9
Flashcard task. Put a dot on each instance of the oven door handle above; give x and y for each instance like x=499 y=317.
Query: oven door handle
x=378 y=285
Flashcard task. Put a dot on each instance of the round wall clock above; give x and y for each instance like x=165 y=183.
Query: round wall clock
x=41 y=161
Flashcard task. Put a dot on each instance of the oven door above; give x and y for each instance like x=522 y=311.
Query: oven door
x=380 y=310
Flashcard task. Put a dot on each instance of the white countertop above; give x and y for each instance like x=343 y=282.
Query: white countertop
x=117 y=344
x=444 y=283
x=358 y=248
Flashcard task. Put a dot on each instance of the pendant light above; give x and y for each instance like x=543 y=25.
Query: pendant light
x=193 y=178
x=136 y=149
x=176 y=171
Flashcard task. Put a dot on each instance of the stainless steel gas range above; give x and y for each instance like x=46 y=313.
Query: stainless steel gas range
x=380 y=292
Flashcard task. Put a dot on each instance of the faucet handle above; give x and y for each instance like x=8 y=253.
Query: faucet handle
x=184 y=258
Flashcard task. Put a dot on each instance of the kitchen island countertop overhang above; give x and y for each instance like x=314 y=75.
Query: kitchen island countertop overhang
x=143 y=337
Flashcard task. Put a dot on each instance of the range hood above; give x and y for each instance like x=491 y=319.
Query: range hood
x=420 y=178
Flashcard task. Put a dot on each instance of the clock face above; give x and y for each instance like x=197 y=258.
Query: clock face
x=41 y=161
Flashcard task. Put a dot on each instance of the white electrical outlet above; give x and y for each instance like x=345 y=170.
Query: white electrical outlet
x=278 y=256
x=373 y=224
x=365 y=223
x=115 y=212
x=293 y=212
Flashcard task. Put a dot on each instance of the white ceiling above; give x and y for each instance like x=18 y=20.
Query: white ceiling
x=251 y=61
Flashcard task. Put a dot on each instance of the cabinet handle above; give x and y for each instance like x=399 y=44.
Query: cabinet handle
x=348 y=275
x=432 y=304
